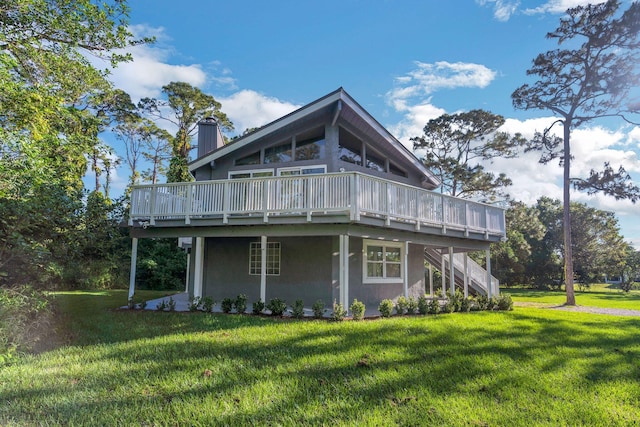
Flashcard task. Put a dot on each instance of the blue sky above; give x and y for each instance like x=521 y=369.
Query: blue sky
x=404 y=61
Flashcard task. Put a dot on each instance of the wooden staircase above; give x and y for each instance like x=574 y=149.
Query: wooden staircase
x=477 y=274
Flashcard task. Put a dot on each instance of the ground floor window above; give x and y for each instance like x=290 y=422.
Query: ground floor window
x=273 y=259
x=383 y=261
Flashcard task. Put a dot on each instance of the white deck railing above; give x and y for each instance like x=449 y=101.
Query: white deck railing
x=353 y=194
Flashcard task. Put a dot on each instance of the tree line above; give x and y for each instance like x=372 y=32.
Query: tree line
x=56 y=106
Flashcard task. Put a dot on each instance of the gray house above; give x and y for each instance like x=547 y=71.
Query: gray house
x=323 y=203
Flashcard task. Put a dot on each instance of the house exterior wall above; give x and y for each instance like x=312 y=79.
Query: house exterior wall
x=309 y=270
x=305 y=269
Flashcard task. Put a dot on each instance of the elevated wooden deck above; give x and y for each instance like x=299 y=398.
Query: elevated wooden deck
x=349 y=197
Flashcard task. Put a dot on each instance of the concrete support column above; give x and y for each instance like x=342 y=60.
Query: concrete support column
x=489 y=285
x=452 y=272
x=344 y=271
x=405 y=276
x=466 y=274
x=186 y=283
x=431 y=280
x=198 y=274
x=132 y=272
x=443 y=270
x=263 y=268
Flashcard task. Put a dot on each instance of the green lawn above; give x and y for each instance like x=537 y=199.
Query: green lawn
x=598 y=295
x=526 y=367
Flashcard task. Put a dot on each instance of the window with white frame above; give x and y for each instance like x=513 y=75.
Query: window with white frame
x=251 y=173
x=383 y=261
x=273 y=259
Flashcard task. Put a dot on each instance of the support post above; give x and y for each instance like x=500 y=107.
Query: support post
x=452 y=272
x=186 y=284
x=489 y=285
x=466 y=274
x=443 y=270
x=198 y=274
x=405 y=276
x=430 y=280
x=263 y=268
x=132 y=273
x=344 y=271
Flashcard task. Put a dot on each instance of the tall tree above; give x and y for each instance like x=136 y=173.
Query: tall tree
x=50 y=116
x=184 y=107
x=457 y=144
x=592 y=77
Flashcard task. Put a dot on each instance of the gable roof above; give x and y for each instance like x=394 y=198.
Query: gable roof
x=340 y=104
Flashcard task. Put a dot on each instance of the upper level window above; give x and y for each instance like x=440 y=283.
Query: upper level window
x=253 y=173
x=278 y=154
x=251 y=159
x=302 y=170
x=349 y=148
x=375 y=163
x=310 y=149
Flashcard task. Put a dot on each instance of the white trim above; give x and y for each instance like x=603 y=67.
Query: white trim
x=301 y=168
x=383 y=279
x=255 y=248
x=132 y=272
x=251 y=172
x=198 y=268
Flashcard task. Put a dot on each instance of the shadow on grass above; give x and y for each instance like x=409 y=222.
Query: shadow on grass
x=238 y=370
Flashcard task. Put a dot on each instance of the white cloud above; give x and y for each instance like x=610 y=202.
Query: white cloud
x=415 y=118
x=248 y=109
x=502 y=10
x=557 y=6
x=428 y=78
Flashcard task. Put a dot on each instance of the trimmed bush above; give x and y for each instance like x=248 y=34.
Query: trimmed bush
x=207 y=304
x=423 y=304
x=194 y=304
x=338 y=313
x=386 y=307
x=412 y=305
x=357 y=310
x=434 y=306
x=277 y=306
x=297 y=309
x=401 y=305
x=226 y=305
x=318 y=309
x=505 y=302
x=240 y=304
x=258 y=306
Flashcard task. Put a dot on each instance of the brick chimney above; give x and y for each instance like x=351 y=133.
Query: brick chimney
x=209 y=136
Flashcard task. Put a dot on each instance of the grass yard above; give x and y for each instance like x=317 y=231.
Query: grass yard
x=521 y=368
x=598 y=295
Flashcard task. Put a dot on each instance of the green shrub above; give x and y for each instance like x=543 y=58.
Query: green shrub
x=171 y=305
x=226 y=305
x=434 y=306
x=207 y=304
x=412 y=305
x=357 y=310
x=161 y=305
x=423 y=304
x=447 y=306
x=277 y=306
x=297 y=309
x=318 y=309
x=401 y=305
x=258 y=306
x=483 y=302
x=25 y=318
x=456 y=300
x=338 y=313
x=143 y=304
x=240 y=304
x=194 y=304
x=465 y=305
x=504 y=302
x=386 y=307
